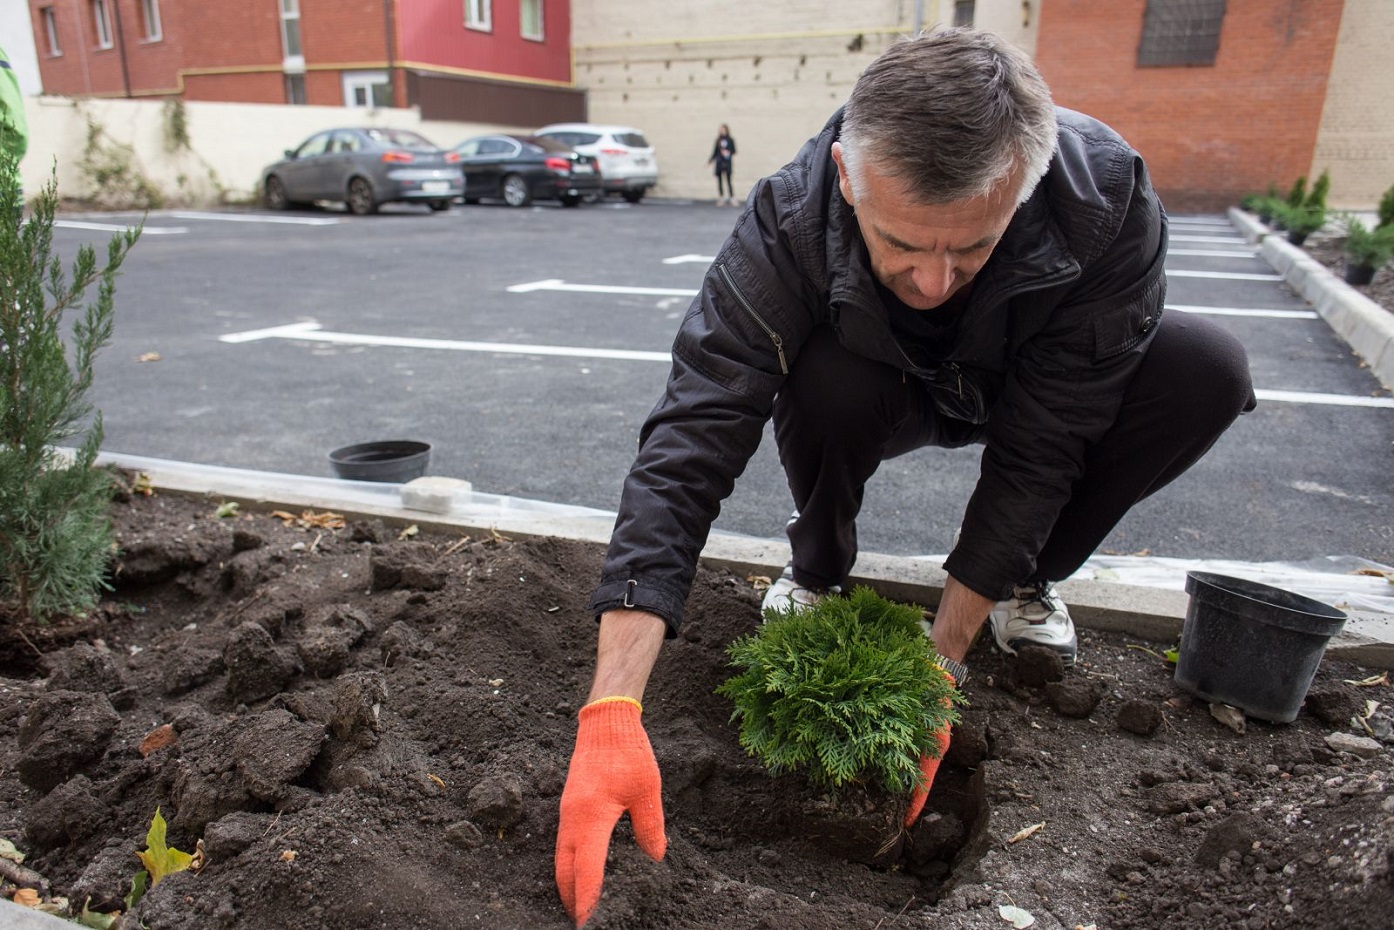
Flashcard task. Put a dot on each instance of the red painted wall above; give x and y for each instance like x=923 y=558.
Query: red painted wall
x=1209 y=134
x=434 y=32
x=335 y=35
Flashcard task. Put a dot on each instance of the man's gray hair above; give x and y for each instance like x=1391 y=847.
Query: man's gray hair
x=951 y=114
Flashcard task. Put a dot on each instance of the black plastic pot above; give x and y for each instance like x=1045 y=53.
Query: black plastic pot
x=1359 y=274
x=1251 y=645
x=1297 y=238
x=395 y=460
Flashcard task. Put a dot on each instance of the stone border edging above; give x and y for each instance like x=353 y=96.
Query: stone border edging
x=1365 y=326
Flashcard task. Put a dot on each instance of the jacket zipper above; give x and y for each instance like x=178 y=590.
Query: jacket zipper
x=759 y=320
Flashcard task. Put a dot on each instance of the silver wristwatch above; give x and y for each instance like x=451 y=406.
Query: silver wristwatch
x=956 y=669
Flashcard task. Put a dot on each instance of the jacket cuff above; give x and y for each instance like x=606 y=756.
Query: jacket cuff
x=633 y=594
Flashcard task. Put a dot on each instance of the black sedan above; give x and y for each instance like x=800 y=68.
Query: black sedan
x=364 y=168
x=521 y=169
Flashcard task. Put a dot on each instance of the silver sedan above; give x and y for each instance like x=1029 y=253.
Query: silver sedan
x=364 y=168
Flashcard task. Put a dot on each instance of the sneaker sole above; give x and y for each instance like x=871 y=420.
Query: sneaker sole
x=1067 y=656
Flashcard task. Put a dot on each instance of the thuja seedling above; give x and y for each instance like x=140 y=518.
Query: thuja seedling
x=846 y=690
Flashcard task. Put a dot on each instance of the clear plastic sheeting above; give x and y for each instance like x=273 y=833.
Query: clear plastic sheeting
x=1346 y=582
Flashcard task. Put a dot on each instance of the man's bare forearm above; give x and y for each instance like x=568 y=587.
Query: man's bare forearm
x=627 y=651
x=962 y=612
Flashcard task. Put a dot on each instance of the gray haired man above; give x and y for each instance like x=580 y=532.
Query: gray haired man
x=951 y=261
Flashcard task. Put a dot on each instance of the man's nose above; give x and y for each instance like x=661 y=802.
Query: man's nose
x=934 y=276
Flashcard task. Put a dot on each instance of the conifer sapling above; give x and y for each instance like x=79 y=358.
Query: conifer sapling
x=846 y=690
x=55 y=533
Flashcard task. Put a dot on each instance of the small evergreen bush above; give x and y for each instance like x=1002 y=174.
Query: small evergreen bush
x=1367 y=247
x=55 y=533
x=1316 y=197
x=1385 y=212
x=1297 y=194
x=846 y=690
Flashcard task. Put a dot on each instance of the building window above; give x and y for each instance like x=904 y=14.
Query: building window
x=51 y=30
x=963 y=12
x=367 y=89
x=479 y=14
x=530 y=20
x=101 y=24
x=290 y=28
x=295 y=88
x=150 y=12
x=1180 y=32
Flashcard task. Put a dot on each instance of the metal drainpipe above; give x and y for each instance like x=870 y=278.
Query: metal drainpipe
x=121 y=44
x=391 y=49
x=918 y=24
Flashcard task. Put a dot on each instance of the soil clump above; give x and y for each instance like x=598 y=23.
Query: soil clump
x=364 y=727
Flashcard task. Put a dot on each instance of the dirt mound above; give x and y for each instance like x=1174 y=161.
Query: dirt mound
x=370 y=729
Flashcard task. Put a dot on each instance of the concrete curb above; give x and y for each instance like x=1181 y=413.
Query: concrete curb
x=1155 y=614
x=18 y=917
x=1366 y=326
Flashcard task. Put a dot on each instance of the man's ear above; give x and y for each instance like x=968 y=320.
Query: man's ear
x=844 y=182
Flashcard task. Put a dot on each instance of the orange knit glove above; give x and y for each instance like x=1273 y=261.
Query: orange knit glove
x=929 y=767
x=613 y=770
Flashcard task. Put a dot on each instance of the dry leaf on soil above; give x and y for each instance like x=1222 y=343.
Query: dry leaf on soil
x=1024 y=832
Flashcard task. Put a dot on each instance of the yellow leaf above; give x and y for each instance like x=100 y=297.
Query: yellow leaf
x=159 y=860
x=1023 y=833
x=27 y=897
x=288 y=855
x=148 y=357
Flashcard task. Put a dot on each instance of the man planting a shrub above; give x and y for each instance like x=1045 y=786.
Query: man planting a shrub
x=951 y=261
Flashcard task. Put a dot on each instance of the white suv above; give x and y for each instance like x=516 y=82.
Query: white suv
x=627 y=163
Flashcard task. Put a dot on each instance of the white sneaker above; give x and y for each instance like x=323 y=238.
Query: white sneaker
x=786 y=595
x=1034 y=616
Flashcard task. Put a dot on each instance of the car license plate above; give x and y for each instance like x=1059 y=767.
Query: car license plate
x=435 y=187
x=641 y=161
x=581 y=169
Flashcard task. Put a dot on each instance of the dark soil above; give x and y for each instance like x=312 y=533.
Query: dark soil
x=373 y=731
x=1327 y=250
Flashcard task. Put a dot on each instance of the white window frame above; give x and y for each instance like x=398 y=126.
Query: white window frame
x=290 y=11
x=540 y=6
x=365 y=81
x=50 y=15
x=479 y=14
x=101 y=23
x=150 y=12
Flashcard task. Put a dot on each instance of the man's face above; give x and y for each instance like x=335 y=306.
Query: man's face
x=925 y=254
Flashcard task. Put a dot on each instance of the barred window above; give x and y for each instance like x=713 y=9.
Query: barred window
x=1180 y=33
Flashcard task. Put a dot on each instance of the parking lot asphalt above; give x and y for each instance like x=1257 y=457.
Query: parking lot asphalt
x=528 y=345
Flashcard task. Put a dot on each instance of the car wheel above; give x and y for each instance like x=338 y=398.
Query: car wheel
x=439 y=206
x=275 y=194
x=634 y=196
x=470 y=200
x=515 y=191
x=571 y=200
x=360 y=197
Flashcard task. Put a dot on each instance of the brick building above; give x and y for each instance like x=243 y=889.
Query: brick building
x=1221 y=98
x=500 y=61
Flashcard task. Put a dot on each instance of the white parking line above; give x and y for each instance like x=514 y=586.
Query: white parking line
x=255 y=218
x=1213 y=253
x=1224 y=275
x=109 y=227
x=311 y=332
x=1339 y=400
x=1223 y=240
x=557 y=284
x=684 y=259
x=1241 y=311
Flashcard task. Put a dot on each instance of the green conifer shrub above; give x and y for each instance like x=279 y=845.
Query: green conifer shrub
x=1385 y=212
x=1297 y=194
x=1316 y=197
x=55 y=531
x=846 y=690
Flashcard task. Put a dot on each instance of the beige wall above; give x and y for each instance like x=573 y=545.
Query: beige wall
x=774 y=72
x=230 y=142
x=1355 y=141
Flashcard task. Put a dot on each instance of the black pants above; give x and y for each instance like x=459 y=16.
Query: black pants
x=839 y=416
x=724 y=171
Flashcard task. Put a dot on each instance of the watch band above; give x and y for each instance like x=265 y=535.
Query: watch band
x=956 y=669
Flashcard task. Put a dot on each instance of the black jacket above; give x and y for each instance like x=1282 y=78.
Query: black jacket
x=1057 y=322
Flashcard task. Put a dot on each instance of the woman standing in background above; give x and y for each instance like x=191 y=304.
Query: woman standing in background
x=722 y=152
